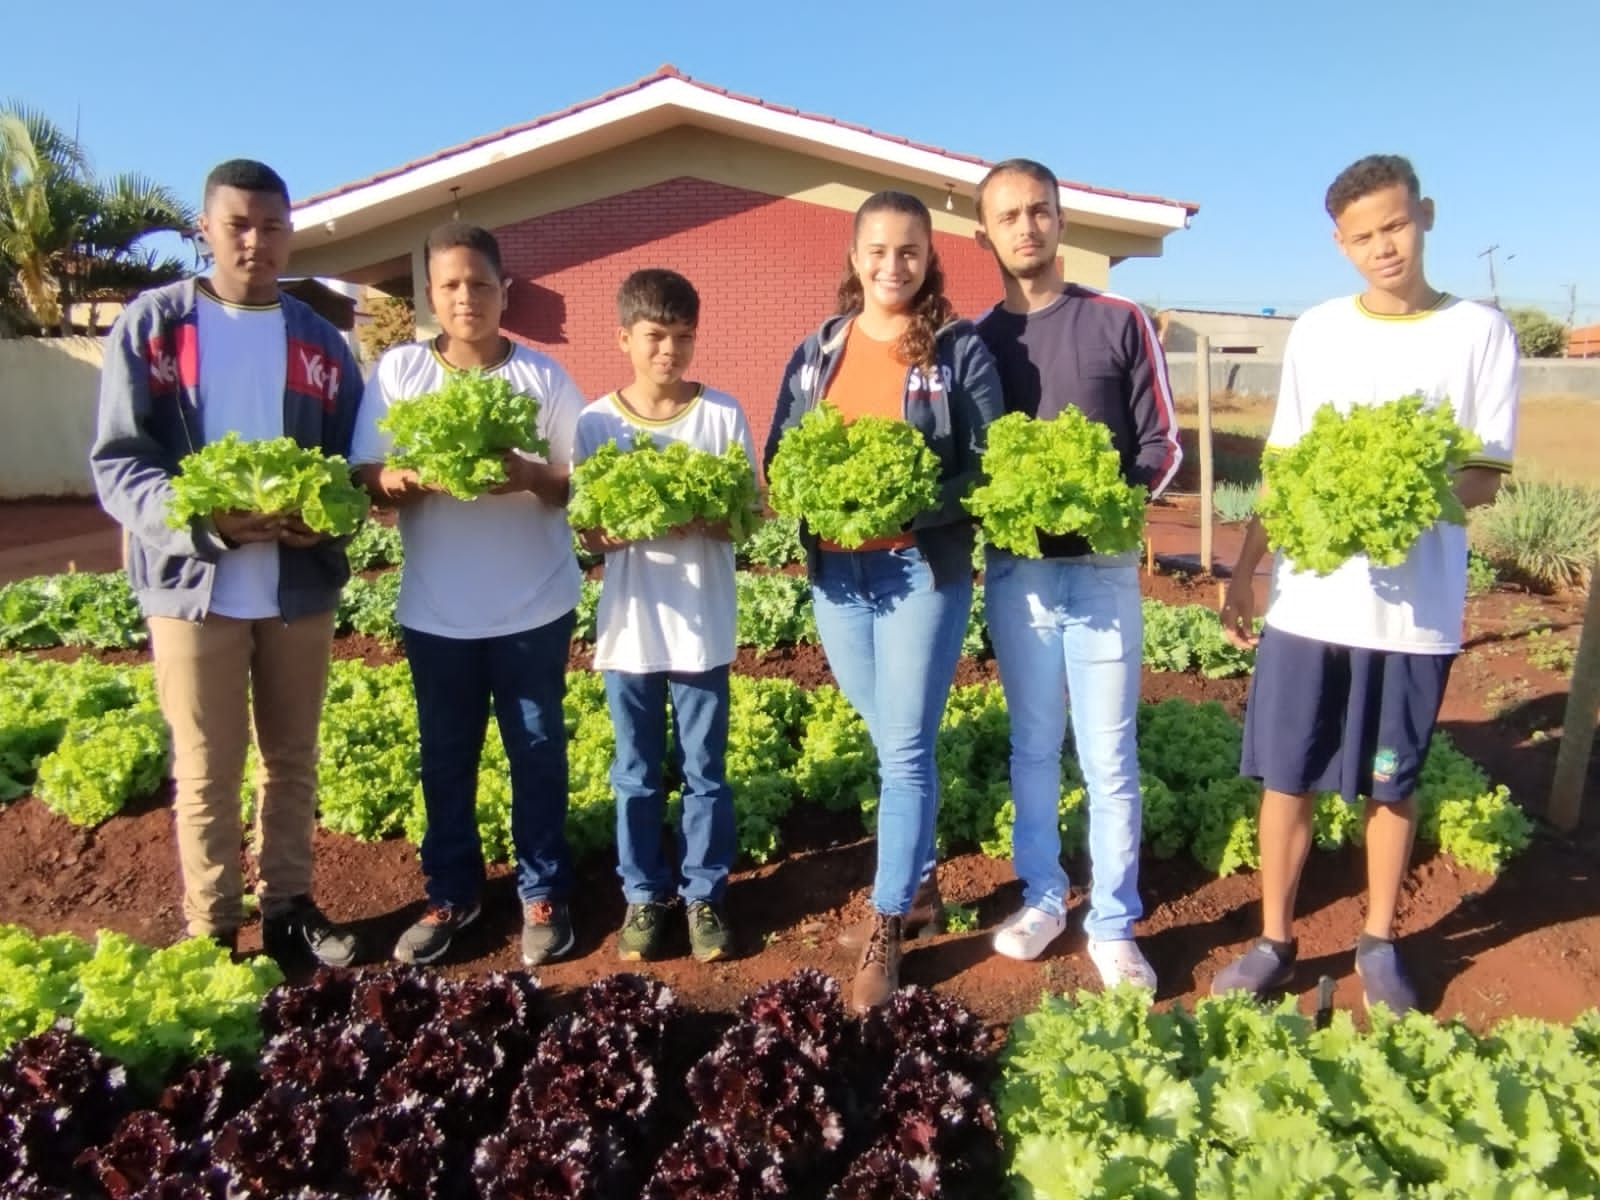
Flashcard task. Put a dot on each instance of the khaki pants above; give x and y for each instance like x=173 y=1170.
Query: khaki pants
x=213 y=676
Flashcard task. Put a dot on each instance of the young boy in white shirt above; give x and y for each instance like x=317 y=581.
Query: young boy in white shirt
x=665 y=633
x=1352 y=666
x=487 y=594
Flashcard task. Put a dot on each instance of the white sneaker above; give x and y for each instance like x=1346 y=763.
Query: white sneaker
x=1121 y=961
x=1026 y=935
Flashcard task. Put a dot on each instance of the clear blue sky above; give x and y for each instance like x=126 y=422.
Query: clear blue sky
x=1247 y=108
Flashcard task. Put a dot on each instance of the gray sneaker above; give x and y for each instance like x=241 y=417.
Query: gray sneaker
x=1259 y=970
x=429 y=939
x=1383 y=978
x=546 y=931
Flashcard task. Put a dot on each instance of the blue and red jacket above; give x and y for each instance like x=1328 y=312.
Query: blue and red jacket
x=149 y=418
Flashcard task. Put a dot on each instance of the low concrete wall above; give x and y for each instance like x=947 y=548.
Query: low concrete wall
x=1250 y=375
x=48 y=390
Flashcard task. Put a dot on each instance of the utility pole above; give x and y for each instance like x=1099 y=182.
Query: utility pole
x=1494 y=292
x=1572 y=316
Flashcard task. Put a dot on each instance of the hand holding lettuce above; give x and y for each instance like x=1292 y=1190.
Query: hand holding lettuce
x=852 y=482
x=456 y=438
x=1369 y=482
x=645 y=491
x=1057 y=476
x=274 y=478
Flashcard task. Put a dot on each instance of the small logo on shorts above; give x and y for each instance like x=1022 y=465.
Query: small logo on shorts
x=1384 y=764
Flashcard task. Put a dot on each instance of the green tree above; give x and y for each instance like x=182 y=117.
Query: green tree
x=1539 y=335
x=66 y=236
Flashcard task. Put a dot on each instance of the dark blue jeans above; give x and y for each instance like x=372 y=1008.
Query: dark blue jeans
x=455 y=680
x=707 y=841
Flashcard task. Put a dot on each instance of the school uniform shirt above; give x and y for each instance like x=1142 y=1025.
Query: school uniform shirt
x=244 y=356
x=494 y=565
x=667 y=604
x=1457 y=353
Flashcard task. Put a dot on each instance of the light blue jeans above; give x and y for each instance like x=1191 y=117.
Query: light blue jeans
x=893 y=639
x=1067 y=636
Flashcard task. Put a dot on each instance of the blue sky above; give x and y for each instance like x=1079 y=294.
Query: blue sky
x=1247 y=108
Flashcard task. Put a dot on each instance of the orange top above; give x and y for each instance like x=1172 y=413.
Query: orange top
x=870 y=382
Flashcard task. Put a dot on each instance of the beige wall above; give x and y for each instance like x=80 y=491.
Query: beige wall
x=703 y=154
x=48 y=390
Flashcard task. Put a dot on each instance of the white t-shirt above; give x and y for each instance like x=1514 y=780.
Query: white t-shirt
x=1456 y=353
x=667 y=604
x=497 y=564
x=244 y=356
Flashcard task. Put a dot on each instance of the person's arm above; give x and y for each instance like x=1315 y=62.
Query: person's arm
x=790 y=400
x=550 y=480
x=975 y=402
x=1496 y=390
x=132 y=470
x=1288 y=425
x=1155 y=420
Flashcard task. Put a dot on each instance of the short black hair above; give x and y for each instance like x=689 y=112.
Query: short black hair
x=247 y=175
x=1032 y=168
x=452 y=234
x=659 y=295
x=1368 y=175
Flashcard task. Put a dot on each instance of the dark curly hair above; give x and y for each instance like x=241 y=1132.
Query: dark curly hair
x=1368 y=175
x=930 y=310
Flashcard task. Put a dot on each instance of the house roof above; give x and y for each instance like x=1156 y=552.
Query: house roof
x=669 y=97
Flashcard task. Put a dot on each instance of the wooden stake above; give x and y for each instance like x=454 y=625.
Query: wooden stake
x=1202 y=361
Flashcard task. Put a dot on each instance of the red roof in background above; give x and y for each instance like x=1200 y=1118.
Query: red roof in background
x=668 y=71
x=1584 y=342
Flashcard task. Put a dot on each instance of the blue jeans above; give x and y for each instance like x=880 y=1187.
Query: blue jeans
x=892 y=639
x=1071 y=629
x=455 y=680
x=707 y=841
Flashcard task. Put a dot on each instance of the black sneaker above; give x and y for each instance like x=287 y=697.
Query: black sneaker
x=429 y=939
x=546 y=931
x=644 y=929
x=710 y=939
x=301 y=930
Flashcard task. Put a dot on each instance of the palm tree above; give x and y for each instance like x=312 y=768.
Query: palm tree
x=67 y=237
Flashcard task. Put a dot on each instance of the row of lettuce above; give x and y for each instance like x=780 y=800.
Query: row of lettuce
x=131 y=1072
x=98 y=611
x=87 y=737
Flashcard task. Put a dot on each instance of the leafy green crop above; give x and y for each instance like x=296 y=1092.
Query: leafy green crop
x=1059 y=476
x=645 y=491
x=773 y=610
x=147 y=1008
x=374 y=545
x=851 y=482
x=1188 y=637
x=456 y=437
x=73 y=609
x=774 y=543
x=104 y=762
x=1105 y=1096
x=368 y=606
x=273 y=476
x=1370 y=482
x=41 y=700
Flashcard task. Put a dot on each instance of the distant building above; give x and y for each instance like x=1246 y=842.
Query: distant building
x=1584 y=342
x=1261 y=334
x=752 y=200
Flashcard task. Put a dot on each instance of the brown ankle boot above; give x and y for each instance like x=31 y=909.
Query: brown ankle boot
x=924 y=920
x=878 y=972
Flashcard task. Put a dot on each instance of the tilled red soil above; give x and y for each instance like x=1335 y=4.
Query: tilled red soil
x=1526 y=943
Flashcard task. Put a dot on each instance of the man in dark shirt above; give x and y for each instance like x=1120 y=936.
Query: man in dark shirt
x=1068 y=622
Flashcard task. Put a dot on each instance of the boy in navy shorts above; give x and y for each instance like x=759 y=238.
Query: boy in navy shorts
x=1352 y=666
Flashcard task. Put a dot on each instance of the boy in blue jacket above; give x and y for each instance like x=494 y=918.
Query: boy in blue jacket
x=240 y=605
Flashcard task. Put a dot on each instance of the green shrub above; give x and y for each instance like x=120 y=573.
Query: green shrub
x=1235 y=502
x=1539 y=335
x=1545 y=532
x=1481 y=575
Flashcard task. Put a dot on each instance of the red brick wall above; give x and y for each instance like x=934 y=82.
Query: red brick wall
x=766 y=269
